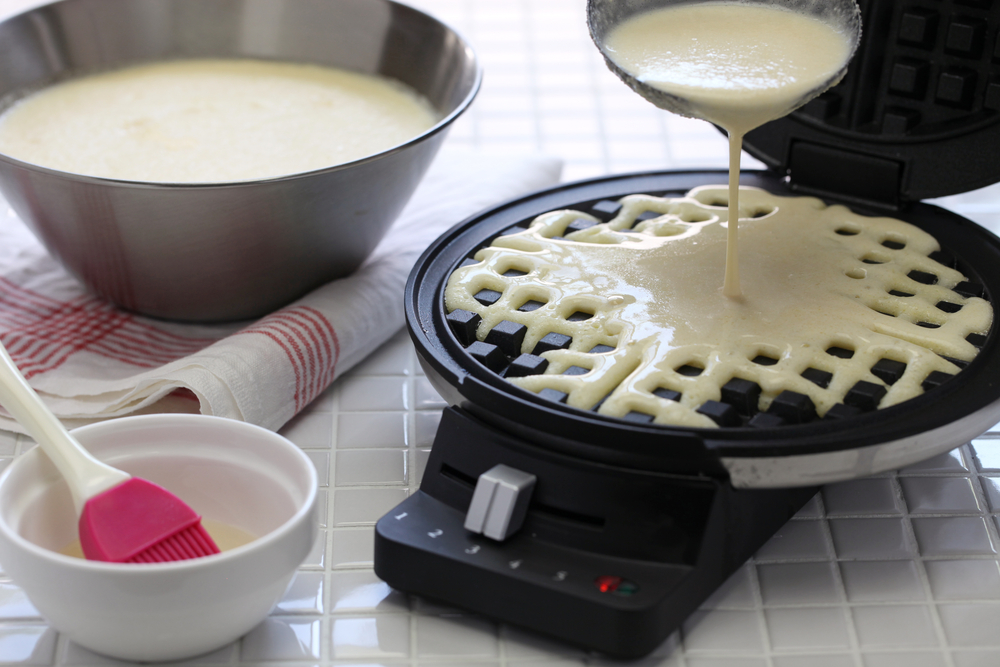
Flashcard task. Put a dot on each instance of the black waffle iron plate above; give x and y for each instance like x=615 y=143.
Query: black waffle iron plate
x=612 y=531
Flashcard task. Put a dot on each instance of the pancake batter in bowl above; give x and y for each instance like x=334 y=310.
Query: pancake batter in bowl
x=212 y=121
x=735 y=65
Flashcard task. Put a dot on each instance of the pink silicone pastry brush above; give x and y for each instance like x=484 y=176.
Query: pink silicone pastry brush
x=123 y=519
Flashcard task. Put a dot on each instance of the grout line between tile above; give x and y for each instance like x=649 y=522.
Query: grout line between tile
x=918 y=560
x=61 y=648
x=848 y=609
x=759 y=610
x=532 y=80
x=326 y=639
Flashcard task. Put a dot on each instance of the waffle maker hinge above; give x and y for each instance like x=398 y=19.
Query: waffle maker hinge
x=833 y=173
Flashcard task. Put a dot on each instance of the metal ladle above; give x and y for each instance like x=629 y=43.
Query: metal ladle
x=844 y=16
x=604 y=15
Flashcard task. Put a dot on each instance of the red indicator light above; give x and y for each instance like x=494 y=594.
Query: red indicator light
x=617 y=585
x=607 y=583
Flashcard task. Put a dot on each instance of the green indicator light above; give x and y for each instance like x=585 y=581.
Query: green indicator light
x=626 y=588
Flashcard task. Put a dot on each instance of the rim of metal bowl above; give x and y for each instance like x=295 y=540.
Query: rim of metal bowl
x=439 y=126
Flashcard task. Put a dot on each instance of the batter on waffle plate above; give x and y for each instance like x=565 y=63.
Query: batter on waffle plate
x=840 y=313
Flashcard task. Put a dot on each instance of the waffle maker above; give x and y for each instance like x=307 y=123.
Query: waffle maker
x=607 y=533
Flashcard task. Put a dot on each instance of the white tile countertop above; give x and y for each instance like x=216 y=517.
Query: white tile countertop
x=898 y=569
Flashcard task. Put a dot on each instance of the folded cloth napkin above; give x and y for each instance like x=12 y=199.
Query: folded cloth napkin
x=90 y=360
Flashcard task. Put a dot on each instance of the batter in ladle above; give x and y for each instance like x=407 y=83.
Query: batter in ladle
x=735 y=65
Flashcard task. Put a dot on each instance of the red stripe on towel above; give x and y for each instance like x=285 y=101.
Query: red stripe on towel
x=41 y=333
x=310 y=344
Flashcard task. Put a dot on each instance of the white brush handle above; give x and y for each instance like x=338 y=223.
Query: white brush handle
x=85 y=475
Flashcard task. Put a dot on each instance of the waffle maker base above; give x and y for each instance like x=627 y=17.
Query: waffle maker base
x=630 y=527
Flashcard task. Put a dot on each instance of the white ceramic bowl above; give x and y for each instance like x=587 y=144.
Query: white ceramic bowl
x=235 y=473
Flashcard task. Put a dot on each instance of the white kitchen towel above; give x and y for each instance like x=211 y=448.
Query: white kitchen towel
x=90 y=360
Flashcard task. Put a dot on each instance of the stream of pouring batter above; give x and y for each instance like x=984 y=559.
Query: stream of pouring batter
x=735 y=65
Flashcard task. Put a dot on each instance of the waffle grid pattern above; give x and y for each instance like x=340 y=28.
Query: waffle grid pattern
x=559 y=345
x=939 y=66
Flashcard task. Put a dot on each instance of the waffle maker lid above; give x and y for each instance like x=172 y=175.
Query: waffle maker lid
x=916 y=116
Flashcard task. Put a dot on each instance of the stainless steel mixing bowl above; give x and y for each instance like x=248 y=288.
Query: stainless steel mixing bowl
x=229 y=251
